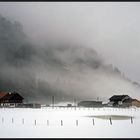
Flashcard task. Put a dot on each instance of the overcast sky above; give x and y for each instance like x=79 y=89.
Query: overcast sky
x=111 y=28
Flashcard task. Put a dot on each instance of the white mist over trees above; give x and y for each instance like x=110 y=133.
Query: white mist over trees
x=65 y=71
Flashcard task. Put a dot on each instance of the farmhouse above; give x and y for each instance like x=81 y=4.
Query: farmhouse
x=90 y=104
x=10 y=99
x=118 y=100
x=123 y=101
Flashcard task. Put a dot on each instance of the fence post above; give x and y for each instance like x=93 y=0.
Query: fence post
x=47 y=122
x=131 y=120
x=110 y=120
x=35 y=122
x=12 y=120
x=76 y=122
x=61 y=123
x=22 y=121
x=93 y=121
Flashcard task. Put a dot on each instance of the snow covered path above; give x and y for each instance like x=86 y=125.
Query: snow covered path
x=69 y=123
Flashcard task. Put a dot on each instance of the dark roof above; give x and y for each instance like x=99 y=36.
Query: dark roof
x=118 y=97
x=2 y=94
x=12 y=96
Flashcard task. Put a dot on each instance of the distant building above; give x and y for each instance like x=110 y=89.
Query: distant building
x=10 y=99
x=69 y=105
x=30 y=105
x=90 y=104
x=123 y=101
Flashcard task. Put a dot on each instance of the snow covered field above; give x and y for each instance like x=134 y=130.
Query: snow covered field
x=69 y=123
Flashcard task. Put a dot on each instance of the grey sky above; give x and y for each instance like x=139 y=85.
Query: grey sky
x=111 y=28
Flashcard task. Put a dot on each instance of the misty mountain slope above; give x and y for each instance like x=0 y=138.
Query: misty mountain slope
x=14 y=45
x=64 y=71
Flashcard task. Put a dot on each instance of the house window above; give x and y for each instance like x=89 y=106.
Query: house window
x=120 y=102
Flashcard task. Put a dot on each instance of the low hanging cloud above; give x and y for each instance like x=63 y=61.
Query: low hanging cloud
x=65 y=71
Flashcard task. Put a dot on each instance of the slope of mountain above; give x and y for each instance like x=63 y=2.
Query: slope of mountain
x=63 y=71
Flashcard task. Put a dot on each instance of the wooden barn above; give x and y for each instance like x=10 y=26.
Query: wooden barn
x=135 y=102
x=10 y=99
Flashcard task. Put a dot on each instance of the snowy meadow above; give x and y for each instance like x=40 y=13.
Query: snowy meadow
x=69 y=122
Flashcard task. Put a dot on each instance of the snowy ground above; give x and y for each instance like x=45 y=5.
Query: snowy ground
x=69 y=123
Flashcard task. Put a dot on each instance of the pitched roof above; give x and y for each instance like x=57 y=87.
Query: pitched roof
x=2 y=94
x=135 y=100
x=13 y=96
x=118 y=97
